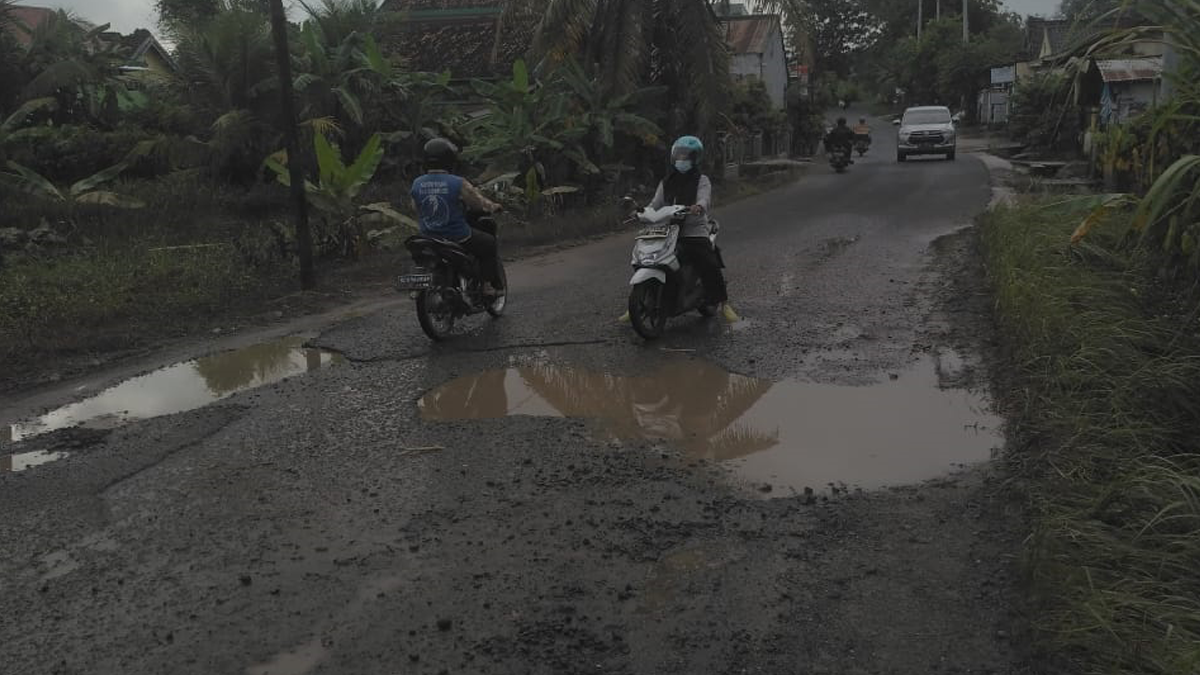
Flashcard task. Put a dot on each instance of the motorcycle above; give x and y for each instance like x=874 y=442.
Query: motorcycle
x=839 y=158
x=862 y=143
x=446 y=283
x=662 y=286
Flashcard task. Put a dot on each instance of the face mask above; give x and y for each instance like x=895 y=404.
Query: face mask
x=683 y=165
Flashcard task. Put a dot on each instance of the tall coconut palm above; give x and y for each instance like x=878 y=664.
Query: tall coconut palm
x=227 y=73
x=630 y=44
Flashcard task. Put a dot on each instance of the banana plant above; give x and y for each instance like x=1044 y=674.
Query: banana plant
x=336 y=192
x=82 y=192
x=528 y=127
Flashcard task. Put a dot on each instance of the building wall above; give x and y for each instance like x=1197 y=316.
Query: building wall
x=775 y=69
x=770 y=67
x=1134 y=98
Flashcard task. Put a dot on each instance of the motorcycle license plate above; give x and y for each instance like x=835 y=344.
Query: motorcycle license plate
x=653 y=232
x=414 y=282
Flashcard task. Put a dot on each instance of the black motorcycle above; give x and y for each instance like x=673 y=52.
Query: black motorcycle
x=447 y=283
x=840 y=158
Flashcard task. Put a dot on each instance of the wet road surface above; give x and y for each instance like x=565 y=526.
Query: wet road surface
x=547 y=494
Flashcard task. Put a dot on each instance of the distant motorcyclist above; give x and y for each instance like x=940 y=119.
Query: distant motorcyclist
x=840 y=138
x=443 y=200
x=686 y=185
x=863 y=129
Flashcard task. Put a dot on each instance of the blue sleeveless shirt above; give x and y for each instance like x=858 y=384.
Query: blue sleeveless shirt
x=438 y=197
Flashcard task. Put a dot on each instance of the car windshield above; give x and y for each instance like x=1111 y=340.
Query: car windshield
x=926 y=117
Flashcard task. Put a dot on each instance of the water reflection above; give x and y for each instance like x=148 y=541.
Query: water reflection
x=788 y=434
x=183 y=386
x=24 y=460
x=694 y=404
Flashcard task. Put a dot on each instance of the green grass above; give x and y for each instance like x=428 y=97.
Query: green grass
x=93 y=301
x=1103 y=398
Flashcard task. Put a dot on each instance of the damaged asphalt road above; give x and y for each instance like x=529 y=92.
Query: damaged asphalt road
x=323 y=525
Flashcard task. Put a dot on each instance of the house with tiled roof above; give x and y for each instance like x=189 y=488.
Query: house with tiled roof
x=466 y=37
x=27 y=20
x=757 y=50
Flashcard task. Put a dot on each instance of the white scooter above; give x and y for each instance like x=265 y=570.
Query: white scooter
x=663 y=286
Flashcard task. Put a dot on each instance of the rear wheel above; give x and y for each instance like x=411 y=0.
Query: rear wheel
x=496 y=309
x=435 y=315
x=646 y=311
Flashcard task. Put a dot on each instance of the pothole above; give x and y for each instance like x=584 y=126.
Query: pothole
x=176 y=388
x=790 y=435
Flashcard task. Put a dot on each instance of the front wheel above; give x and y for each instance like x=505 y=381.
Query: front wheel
x=435 y=314
x=646 y=311
x=496 y=308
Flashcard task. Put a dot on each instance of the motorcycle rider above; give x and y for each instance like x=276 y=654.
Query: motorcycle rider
x=841 y=137
x=863 y=130
x=686 y=185
x=443 y=200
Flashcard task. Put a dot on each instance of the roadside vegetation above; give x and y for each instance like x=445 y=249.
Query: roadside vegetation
x=1099 y=302
x=1103 y=374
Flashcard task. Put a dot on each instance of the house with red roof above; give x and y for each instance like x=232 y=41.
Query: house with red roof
x=466 y=37
x=27 y=20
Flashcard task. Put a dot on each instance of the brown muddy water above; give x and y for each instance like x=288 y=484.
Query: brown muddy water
x=790 y=435
x=176 y=388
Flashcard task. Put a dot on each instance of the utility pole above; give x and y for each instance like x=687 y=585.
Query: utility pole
x=287 y=111
x=939 y=10
x=966 y=23
x=920 y=16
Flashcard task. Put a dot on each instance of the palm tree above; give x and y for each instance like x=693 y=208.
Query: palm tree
x=339 y=20
x=630 y=44
x=66 y=62
x=228 y=76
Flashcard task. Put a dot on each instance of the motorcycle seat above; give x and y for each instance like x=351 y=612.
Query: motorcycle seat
x=425 y=247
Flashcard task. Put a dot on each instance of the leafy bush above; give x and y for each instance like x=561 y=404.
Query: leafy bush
x=1042 y=113
x=65 y=154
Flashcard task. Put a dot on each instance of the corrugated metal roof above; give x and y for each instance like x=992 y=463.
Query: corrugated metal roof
x=1130 y=69
x=750 y=34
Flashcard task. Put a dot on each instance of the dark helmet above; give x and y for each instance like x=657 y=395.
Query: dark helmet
x=841 y=121
x=440 y=155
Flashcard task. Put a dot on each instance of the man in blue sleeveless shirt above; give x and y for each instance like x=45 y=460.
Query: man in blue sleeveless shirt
x=443 y=199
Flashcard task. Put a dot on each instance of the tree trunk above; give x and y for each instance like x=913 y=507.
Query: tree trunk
x=292 y=142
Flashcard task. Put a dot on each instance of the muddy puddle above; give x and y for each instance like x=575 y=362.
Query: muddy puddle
x=176 y=388
x=791 y=435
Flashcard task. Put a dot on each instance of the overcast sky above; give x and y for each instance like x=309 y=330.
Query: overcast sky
x=127 y=15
